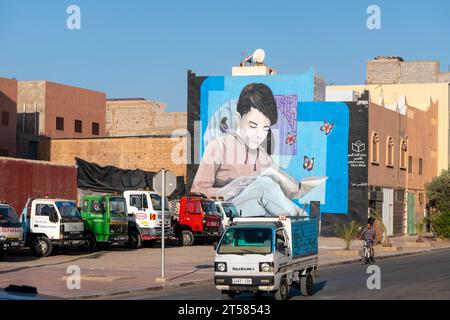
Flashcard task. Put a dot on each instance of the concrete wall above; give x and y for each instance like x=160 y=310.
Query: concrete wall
x=31 y=107
x=149 y=153
x=391 y=71
x=419 y=72
x=8 y=103
x=20 y=179
x=444 y=77
x=382 y=71
x=141 y=117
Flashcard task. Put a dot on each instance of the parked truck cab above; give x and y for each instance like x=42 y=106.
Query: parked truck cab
x=145 y=218
x=267 y=255
x=198 y=220
x=227 y=212
x=11 y=233
x=50 y=223
x=105 y=220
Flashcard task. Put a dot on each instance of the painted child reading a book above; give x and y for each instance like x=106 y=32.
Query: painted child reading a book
x=236 y=166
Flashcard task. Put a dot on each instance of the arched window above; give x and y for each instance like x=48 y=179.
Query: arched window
x=375 y=148
x=403 y=153
x=390 y=152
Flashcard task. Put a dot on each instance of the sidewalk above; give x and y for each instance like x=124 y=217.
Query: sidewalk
x=119 y=271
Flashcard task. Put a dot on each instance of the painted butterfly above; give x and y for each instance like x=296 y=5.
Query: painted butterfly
x=291 y=139
x=308 y=164
x=327 y=127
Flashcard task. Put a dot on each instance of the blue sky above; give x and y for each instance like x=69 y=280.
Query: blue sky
x=144 y=48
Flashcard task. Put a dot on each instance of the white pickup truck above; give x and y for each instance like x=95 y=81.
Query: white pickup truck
x=267 y=255
x=49 y=223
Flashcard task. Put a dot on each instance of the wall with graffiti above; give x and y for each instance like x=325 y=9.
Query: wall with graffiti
x=266 y=146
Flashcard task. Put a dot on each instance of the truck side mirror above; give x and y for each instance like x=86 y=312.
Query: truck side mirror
x=215 y=246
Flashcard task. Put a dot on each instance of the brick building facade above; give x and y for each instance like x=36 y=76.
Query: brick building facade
x=52 y=110
x=8 y=117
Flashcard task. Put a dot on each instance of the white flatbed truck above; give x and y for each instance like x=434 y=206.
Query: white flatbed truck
x=267 y=255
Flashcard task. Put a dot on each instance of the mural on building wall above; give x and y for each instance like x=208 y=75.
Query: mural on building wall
x=266 y=146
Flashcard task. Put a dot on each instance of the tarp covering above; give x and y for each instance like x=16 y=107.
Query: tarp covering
x=93 y=177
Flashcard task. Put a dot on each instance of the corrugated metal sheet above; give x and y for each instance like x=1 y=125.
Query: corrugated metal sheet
x=20 y=179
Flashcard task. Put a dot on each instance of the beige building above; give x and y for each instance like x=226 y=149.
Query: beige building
x=148 y=153
x=135 y=117
x=408 y=132
x=392 y=82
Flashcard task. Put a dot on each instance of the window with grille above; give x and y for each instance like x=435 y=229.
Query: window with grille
x=95 y=128
x=390 y=152
x=403 y=154
x=78 y=126
x=375 y=148
x=59 y=123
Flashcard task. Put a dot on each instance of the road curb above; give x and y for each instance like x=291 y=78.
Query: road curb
x=190 y=283
x=159 y=287
x=386 y=256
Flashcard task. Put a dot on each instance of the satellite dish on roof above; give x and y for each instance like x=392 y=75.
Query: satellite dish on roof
x=256 y=58
x=259 y=55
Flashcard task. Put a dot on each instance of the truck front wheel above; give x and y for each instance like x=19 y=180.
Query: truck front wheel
x=91 y=243
x=134 y=240
x=42 y=247
x=283 y=290
x=186 y=238
x=2 y=254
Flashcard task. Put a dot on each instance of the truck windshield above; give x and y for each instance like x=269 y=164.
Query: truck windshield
x=8 y=216
x=230 y=210
x=246 y=240
x=208 y=207
x=118 y=207
x=156 y=202
x=68 y=209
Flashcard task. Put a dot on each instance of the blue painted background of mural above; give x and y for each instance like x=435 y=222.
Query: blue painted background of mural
x=329 y=151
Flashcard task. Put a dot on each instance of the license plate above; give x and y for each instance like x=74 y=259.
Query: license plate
x=14 y=244
x=241 y=281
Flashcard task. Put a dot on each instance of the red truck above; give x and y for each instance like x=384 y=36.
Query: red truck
x=198 y=220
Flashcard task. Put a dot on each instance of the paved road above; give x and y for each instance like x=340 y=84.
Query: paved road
x=421 y=276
